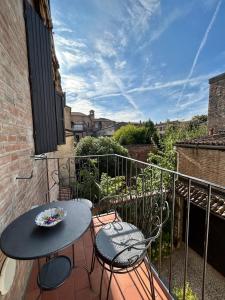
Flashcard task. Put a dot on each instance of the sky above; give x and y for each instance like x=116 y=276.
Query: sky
x=133 y=60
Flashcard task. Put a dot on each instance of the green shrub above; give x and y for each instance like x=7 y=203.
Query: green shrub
x=132 y=134
x=190 y=295
x=99 y=146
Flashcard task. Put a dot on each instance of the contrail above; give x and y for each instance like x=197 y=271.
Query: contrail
x=203 y=42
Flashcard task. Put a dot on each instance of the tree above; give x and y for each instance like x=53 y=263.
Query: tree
x=132 y=134
x=100 y=146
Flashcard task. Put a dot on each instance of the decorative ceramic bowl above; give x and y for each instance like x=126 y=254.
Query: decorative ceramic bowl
x=50 y=217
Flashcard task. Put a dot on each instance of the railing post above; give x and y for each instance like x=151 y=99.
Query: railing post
x=136 y=195
x=107 y=171
x=161 y=216
x=206 y=240
x=187 y=238
x=47 y=177
x=172 y=229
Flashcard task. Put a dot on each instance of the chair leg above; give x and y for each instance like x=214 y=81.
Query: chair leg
x=110 y=279
x=92 y=261
x=73 y=255
x=100 y=295
x=38 y=297
x=149 y=270
x=92 y=231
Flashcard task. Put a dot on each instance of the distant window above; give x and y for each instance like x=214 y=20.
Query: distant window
x=78 y=127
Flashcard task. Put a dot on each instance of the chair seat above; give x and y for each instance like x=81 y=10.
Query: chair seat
x=85 y=201
x=113 y=238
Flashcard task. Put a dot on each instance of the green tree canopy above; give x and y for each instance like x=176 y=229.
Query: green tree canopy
x=136 y=134
x=98 y=146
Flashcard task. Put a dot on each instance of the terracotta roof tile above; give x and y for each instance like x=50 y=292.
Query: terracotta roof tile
x=199 y=197
x=213 y=140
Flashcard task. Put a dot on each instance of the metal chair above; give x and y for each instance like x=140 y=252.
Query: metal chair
x=120 y=247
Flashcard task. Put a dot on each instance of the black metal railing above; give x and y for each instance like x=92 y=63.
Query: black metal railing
x=135 y=185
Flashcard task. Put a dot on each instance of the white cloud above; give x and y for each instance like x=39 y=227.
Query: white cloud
x=140 y=13
x=70 y=52
x=120 y=64
x=70 y=43
x=105 y=48
x=201 y=46
x=74 y=84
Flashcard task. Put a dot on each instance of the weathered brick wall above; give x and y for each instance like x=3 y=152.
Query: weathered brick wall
x=206 y=164
x=216 y=112
x=140 y=152
x=16 y=133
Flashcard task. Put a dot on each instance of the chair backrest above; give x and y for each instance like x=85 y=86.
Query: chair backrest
x=147 y=213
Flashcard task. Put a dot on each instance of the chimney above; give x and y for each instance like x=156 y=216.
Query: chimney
x=216 y=110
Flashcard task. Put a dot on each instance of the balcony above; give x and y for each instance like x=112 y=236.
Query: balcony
x=133 y=187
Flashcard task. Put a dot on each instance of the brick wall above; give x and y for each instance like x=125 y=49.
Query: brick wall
x=216 y=112
x=16 y=133
x=139 y=152
x=206 y=164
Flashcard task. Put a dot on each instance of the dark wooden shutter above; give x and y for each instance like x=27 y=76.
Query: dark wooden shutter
x=60 y=104
x=41 y=82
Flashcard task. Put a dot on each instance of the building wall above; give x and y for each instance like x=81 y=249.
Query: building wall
x=216 y=111
x=206 y=164
x=139 y=152
x=16 y=134
x=67 y=117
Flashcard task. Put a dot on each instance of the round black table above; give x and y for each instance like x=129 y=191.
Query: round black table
x=23 y=239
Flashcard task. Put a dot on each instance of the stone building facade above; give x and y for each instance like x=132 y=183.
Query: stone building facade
x=84 y=125
x=17 y=132
x=216 y=111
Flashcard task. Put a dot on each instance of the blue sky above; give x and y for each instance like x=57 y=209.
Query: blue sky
x=132 y=60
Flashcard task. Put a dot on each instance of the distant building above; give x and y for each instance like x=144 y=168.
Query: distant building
x=84 y=125
x=161 y=126
x=204 y=157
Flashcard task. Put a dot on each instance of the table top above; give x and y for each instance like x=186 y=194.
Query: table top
x=23 y=239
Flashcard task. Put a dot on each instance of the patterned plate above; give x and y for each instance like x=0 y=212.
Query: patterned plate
x=50 y=217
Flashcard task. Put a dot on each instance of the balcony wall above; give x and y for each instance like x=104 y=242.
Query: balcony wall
x=16 y=133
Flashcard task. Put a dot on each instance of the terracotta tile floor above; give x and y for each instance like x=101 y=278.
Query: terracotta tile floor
x=131 y=286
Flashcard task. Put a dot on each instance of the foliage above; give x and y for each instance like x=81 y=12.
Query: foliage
x=132 y=134
x=86 y=185
x=112 y=185
x=190 y=295
x=166 y=154
x=100 y=146
x=200 y=118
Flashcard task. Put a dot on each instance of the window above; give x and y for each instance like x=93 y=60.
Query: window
x=47 y=104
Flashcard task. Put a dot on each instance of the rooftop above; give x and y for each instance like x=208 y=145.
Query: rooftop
x=199 y=197
x=208 y=141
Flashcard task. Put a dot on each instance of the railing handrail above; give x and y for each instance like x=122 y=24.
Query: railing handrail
x=205 y=182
